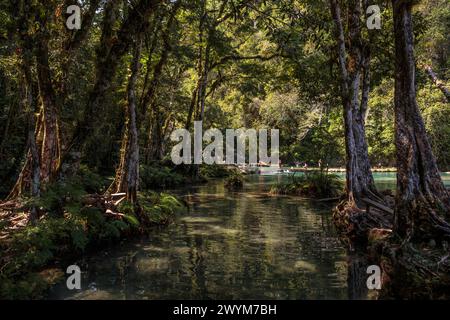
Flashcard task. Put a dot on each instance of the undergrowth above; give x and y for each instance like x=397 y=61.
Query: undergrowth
x=67 y=228
x=311 y=184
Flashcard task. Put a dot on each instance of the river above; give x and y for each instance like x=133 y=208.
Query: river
x=229 y=245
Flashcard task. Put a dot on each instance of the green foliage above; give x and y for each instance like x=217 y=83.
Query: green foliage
x=91 y=181
x=312 y=184
x=155 y=176
x=55 y=236
x=30 y=286
x=214 y=171
x=132 y=220
x=35 y=246
x=60 y=197
x=156 y=208
x=235 y=181
x=66 y=195
x=380 y=124
x=159 y=208
x=101 y=228
x=436 y=114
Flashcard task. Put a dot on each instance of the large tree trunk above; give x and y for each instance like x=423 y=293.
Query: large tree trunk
x=127 y=176
x=192 y=105
x=73 y=42
x=50 y=143
x=421 y=196
x=33 y=156
x=152 y=111
x=109 y=57
x=154 y=143
x=43 y=156
x=30 y=176
x=359 y=179
x=359 y=70
x=204 y=82
x=151 y=45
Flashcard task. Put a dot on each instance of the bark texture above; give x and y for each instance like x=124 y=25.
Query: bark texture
x=354 y=69
x=152 y=111
x=422 y=199
x=43 y=155
x=127 y=175
x=113 y=47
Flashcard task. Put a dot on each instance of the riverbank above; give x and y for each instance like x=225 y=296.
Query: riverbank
x=227 y=245
x=31 y=254
x=77 y=216
x=334 y=170
x=412 y=269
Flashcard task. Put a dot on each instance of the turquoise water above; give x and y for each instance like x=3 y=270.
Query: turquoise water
x=229 y=245
x=388 y=180
x=232 y=245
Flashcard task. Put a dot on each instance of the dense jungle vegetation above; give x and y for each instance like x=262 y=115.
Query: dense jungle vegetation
x=86 y=115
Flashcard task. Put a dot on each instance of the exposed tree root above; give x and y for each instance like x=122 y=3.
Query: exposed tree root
x=417 y=267
x=423 y=220
x=412 y=271
x=354 y=224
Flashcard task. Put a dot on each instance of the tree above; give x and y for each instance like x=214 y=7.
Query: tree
x=47 y=137
x=33 y=158
x=151 y=110
x=355 y=74
x=112 y=48
x=127 y=175
x=421 y=199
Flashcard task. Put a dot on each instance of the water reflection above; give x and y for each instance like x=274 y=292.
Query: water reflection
x=244 y=245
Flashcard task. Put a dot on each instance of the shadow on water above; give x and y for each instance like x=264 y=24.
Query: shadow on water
x=241 y=245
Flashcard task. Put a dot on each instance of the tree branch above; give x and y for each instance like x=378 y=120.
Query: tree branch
x=439 y=83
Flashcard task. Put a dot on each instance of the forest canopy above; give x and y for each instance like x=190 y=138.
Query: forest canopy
x=92 y=90
x=259 y=64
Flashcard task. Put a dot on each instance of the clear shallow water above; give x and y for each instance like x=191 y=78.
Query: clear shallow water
x=383 y=180
x=388 y=180
x=243 y=245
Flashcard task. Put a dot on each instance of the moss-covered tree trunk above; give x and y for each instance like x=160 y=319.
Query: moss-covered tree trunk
x=49 y=136
x=422 y=199
x=127 y=175
x=113 y=46
x=152 y=110
x=43 y=157
x=354 y=71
